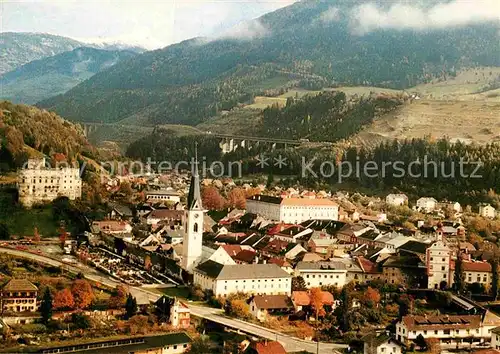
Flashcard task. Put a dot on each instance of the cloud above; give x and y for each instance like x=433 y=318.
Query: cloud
x=246 y=30
x=368 y=17
x=330 y=15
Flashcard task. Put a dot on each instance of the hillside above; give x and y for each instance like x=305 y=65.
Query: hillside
x=47 y=77
x=17 y=49
x=310 y=44
x=27 y=131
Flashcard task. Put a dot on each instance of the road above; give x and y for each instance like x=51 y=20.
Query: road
x=143 y=295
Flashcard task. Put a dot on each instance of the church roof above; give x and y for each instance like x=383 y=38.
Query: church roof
x=194 y=195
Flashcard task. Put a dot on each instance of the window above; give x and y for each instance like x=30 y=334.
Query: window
x=446 y=331
x=195 y=227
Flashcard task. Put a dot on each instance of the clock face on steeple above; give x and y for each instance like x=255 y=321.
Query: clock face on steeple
x=196 y=216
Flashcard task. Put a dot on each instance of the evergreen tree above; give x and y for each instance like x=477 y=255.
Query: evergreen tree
x=46 y=306
x=459 y=276
x=130 y=306
x=494 y=278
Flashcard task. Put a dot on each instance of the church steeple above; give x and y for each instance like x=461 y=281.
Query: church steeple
x=194 y=196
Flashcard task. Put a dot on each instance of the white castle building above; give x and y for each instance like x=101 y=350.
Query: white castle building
x=39 y=183
x=438 y=259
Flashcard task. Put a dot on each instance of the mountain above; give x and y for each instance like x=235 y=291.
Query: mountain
x=47 y=77
x=28 y=131
x=18 y=48
x=310 y=44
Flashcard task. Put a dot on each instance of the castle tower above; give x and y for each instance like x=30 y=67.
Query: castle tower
x=438 y=259
x=193 y=223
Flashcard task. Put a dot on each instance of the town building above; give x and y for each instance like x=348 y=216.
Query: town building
x=380 y=343
x=39 y=183
x=163 y=195
x=19 y=295
x=172 y=343
x=292 y=210
x=317 y=274
x=495 y=338
x=253 y=279
x=302 y=300
x=474 y=272
x=487 y=211
x=262 y=306
x=265 y=347
x=438 y=262
x=453 y=330
x=111 y=227
x=396 y=199
x=180 y=315
x=193 y=224
x=426 y=204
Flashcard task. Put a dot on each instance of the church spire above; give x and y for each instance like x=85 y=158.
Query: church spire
x=194 y=196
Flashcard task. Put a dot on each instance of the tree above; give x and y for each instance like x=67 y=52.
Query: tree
x=36 y=235
x=459 y=275
x=236 y=198
x=83 y=294
x=118 y=298
x=130 y=306
x=371 y=297
x=420 y=341
x=211 y=198
x=4 y=231
x=270 y=180
x=80 y=321
x=344 y=310
x=316 y=297
x=494 y=277
x=433 y=345
x=298 y=284
x=46 y=306
x=147 y=262
x=237 y=308
x=63 y=235
x=200 y=345
x=63 y=300
x=138 y=324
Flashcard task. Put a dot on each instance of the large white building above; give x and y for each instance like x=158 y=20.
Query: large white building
x=292 y=210
x=38 y=183
x=487 y=211
x=427 y=204
x=452 y=330
x=438 y=260
x=317 y=274
x=396 y=199
x=252 y=279
x=193 y=225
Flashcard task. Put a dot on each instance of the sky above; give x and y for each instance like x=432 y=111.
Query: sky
x=149 y=23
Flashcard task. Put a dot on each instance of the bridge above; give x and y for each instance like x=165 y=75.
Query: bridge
x=228 y=142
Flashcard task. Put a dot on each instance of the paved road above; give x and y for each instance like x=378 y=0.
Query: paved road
x=145 y=296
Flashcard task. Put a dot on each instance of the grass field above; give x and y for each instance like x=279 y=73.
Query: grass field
x=22 y=222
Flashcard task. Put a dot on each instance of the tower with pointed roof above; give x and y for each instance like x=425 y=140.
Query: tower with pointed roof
x=193 y=223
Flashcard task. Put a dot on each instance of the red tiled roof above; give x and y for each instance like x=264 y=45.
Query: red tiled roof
x=469 y=266
x=268 y=347
x=269 y=302
x=367 y=265
x=281 y=262
x=232 y=250
x=166 y=214
x=278 y=228
x=246 y=256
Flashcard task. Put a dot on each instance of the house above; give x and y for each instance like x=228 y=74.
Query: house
x=426 y=204
x=302 y=300
x=453 y=330
x=171 y=343
x=454 y=207
x=163 y=195
x=19 y=295
x=495 y=338
x=487 y=211
x=165 y=215
x=253 y=279
x=317 y=274
x=380 y=343
x=245 y=256
x=407 y=271
x=261 y=306
x=119 y=212
x=474 y=272
x=396 y=199
x=265 y=347
x=221 y=256
x=438 y=263
x=282 y=263
x=292 y=210
x=111 y=227
x=171 y=310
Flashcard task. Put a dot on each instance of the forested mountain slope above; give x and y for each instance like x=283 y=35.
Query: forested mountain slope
x=44 y=78
x=310 y=44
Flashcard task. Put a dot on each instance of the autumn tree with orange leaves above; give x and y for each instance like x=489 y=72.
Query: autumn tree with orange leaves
x=236 y=198
x=63 y=300
x=118 y=298
x=83 y=294
x=211 y=198
x=316 y=297
x=371 y=297
x=36 y=235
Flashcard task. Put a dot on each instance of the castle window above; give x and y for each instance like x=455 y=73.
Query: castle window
x=195 y=227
